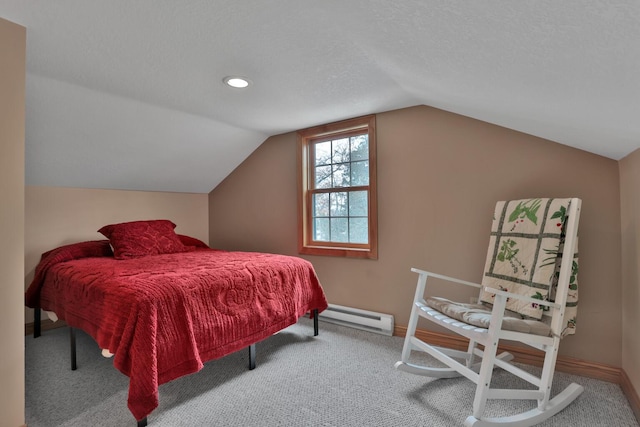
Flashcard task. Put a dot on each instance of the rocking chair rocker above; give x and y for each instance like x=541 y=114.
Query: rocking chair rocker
x=528 y=294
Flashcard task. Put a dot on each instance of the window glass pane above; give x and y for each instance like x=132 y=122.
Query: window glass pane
x=323 y=177
x=341 y=150
x=341 y=175
x=339 y=204
x=358 y=203
x=323 y=153
x=321 y=230
x=321 y=204
x=339 y=230
x=360 y=173
x=358 y=230
x=359 y=147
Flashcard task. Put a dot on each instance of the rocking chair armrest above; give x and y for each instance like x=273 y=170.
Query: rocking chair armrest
x=521 y=297
x=447 y=278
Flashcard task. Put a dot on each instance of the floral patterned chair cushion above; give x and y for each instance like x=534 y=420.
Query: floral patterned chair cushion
x=479 y=315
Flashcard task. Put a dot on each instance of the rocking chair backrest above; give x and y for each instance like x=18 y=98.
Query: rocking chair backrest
x=533 y=252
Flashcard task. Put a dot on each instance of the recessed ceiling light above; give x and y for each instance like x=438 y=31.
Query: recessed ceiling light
x=237 y=82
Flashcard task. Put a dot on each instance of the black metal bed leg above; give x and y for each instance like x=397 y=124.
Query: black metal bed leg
x=72 y=342
x=142 y=422
x=315 y=322
x=37 y=322
x=252 y=356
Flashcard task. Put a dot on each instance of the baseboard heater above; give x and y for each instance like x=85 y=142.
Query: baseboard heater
x=359 y=319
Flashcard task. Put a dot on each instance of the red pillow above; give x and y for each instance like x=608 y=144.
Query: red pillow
x=140 y=238
x=192 y=241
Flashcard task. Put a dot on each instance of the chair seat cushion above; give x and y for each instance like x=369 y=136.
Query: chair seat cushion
x=480 y=316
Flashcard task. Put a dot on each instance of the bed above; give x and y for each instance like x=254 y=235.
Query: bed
x=163 y=303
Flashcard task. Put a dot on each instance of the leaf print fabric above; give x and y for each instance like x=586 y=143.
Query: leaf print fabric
x=526 y=236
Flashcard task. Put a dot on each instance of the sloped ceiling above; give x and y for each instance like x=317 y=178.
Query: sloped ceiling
x=128 y=94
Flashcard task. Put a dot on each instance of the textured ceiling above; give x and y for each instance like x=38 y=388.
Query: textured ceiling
x=128 y=94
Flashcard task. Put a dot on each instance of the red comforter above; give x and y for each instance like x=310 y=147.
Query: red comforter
x=164 y=315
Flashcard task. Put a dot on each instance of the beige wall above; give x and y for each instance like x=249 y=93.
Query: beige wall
x=630 y=214
x=12 y=122
x=439 y=176
x=55 y=216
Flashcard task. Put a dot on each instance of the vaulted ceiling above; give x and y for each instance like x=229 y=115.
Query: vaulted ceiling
x=128 y=94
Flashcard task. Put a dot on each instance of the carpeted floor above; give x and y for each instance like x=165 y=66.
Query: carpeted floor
x=343 y=377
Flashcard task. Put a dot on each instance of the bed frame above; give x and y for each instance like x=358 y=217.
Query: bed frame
x=37 y=331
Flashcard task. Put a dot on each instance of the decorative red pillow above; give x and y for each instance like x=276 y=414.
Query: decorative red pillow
x=141 y=238
x=192 y=241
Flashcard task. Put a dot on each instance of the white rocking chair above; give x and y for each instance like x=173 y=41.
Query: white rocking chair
x=515 y=292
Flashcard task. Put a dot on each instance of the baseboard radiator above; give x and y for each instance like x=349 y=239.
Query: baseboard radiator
x=360 y=319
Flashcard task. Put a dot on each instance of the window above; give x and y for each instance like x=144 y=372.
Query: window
x=337 y=211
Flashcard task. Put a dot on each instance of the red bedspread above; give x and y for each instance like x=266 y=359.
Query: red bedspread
x=164 y=315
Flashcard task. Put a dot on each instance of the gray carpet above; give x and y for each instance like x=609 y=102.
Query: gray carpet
x=343 y=377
